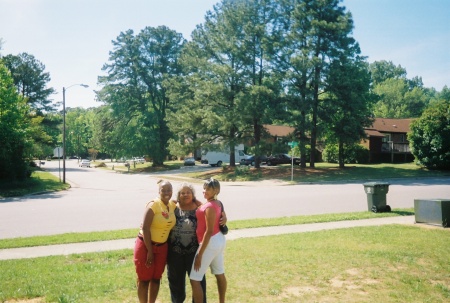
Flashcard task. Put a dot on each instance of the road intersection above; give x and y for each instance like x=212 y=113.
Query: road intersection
x=102 y=200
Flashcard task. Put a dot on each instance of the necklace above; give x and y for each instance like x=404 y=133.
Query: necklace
x=165 y=212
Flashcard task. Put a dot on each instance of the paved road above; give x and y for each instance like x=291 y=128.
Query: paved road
x=101 y=200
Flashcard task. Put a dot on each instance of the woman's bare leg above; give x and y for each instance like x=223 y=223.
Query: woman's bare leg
x=154 y=289
x=197 y=291
x=221 y=287
x=142 y=289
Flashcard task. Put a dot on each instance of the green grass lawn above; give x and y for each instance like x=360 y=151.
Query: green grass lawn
x=138 y=167
x=40 y=181
x=238 y=224
x=322 y=172
x=366 y=264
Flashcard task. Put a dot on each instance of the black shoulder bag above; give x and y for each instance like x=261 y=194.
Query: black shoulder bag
x=223 y=228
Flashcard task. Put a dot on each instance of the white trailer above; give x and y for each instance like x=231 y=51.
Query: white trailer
x=217 y=157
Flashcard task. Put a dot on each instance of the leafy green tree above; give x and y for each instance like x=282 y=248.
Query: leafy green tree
x=78 y=131
x=294 y=68
x=444 y=94
x=110 y=133
x=430 y=136
x=31 y=81
x=13 y=130
x=384 y=70
x=234 y=43
x=42 y=141
x=234 y=77
x=311 y=35
x=216 y=65
x=347 y=109
x=397 y=100
x=52 y=126
x=258 y=101
x=136 y=87
x=398 y=97
x=186 y=119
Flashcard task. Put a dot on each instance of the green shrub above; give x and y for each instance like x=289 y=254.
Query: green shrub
x=241 y=170
x=330 y=153
x=430 y=136
x=352 y=154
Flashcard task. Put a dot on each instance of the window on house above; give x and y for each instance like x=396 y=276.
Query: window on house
x=387 y=138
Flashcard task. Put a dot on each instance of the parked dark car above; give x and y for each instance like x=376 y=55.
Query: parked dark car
x=250 y=160
x=190 y=161
x=281 y=159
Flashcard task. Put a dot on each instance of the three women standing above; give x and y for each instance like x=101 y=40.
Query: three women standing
x=196 y=243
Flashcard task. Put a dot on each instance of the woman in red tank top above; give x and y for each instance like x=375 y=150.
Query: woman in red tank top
x=212 y=243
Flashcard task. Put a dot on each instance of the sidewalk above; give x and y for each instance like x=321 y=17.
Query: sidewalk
x=101 y=246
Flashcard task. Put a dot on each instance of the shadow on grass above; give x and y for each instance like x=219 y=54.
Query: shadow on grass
x=36 y=184
x=403 y=212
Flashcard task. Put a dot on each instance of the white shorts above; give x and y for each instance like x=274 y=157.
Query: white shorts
x=213 y=257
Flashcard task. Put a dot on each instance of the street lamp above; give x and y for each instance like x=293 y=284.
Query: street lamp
x=64 y=127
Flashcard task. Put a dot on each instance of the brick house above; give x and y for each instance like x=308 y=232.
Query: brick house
x=278 y=132
x=387 y=140
x=281 y=132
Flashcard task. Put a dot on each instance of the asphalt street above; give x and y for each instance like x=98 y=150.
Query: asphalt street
x=102 y=200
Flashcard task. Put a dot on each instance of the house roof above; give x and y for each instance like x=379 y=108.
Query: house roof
x=379 y=126
x=373 y=133
x=279 y=130
x=387 y=125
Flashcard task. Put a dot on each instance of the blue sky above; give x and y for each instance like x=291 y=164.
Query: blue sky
x=72 y=38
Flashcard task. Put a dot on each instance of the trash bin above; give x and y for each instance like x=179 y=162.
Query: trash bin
x=376 y=196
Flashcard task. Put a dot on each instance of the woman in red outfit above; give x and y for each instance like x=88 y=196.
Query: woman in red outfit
x=150 y=252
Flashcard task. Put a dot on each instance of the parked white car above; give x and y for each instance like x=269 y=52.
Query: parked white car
x=138 y=160
x=84 y=163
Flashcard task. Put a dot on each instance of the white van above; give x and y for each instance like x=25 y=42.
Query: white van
x=218 y=157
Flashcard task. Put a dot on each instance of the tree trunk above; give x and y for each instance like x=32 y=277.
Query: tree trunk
x=257 y=132
x=232 y=148
x=341 y=154
x=315 y=106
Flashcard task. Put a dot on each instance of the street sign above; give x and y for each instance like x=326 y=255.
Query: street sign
x=58 y=152
x=293 y=144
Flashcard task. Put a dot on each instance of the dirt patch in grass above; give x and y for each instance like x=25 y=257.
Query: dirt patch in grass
x=298 y=291
x=350 y=284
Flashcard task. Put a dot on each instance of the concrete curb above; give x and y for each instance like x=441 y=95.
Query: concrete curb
x=102 y=246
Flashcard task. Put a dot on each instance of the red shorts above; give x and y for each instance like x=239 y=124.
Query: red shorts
x=155 y=271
